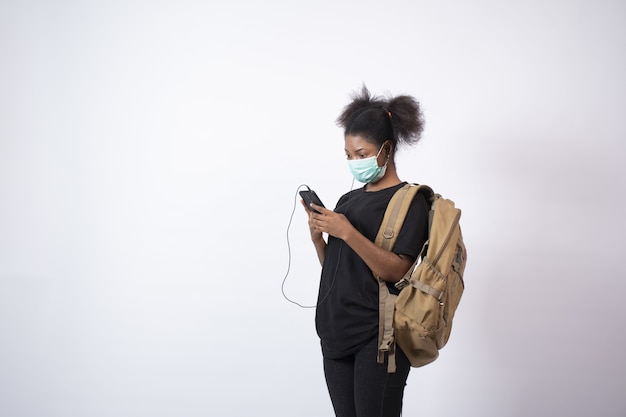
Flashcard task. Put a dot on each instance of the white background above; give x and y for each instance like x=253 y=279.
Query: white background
x=150 y=152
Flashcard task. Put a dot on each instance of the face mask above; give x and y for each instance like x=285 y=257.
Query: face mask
x=367 y=170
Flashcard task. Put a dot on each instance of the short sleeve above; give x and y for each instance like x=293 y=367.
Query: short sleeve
x=414 y=231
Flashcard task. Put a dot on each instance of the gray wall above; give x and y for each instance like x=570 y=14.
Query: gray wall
x=149 y=157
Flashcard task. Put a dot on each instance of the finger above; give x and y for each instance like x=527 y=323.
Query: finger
x=308 y=209
x=318 y=217
x=320 y=209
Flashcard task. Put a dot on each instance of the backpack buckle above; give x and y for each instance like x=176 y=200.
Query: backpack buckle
x=402 y=283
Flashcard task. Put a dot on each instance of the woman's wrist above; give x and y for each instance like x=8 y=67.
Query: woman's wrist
x=318 y=239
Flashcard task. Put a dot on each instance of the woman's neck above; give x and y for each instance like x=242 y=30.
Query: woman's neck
x=389 y=180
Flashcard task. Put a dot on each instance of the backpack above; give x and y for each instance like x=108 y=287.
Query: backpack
x=419 y=318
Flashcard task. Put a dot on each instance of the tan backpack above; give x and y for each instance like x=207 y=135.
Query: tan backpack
x=419 y=319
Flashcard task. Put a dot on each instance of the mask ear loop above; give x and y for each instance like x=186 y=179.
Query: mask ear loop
x=388 y=151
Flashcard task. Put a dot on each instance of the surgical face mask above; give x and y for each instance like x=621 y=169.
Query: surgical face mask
x=366 y=170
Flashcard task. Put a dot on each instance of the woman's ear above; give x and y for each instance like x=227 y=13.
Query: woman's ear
x=388 y=148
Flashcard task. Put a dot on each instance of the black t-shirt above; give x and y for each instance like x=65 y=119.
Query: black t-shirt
x=347 y=313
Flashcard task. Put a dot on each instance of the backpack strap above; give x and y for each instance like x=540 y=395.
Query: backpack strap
x=430 y=197
x=393 y=219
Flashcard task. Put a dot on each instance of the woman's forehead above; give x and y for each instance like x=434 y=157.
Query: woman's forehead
x=358 y=142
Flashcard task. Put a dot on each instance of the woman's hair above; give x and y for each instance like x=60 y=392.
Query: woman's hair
x=398 y=119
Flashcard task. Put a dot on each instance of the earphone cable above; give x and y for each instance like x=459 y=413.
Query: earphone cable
x=282 y=287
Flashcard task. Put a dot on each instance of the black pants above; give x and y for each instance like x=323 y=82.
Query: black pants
x=359 y=386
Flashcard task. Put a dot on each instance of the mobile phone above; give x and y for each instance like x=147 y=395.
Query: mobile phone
x=309 y=197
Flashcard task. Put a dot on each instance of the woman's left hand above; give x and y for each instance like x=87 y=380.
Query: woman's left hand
x=327 y=221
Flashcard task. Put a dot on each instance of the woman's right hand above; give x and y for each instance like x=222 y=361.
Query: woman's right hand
x=316 y=233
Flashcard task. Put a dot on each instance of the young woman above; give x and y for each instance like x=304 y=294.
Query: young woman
x=347 y=311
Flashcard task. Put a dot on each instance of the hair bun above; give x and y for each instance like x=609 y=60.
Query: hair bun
x=398 y=118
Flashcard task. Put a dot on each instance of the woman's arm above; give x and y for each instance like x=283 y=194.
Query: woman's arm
x=316 y=236
x=383 y=263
